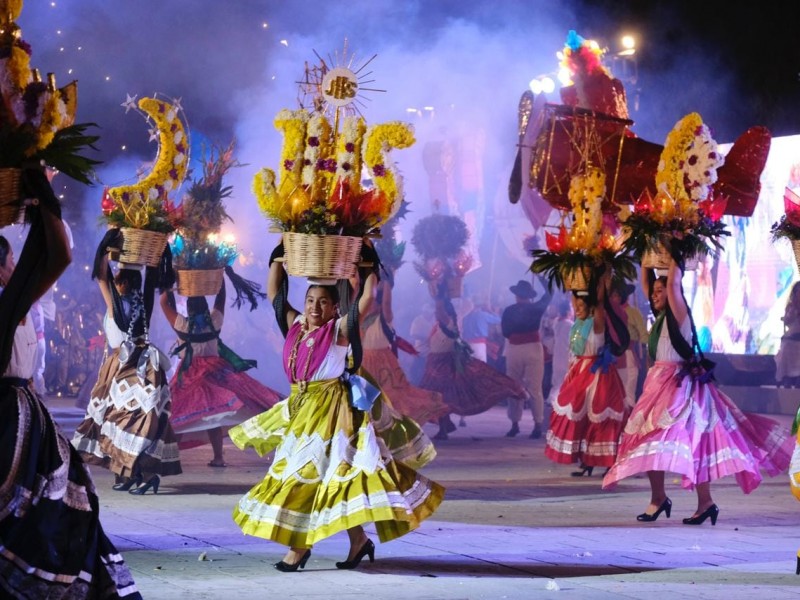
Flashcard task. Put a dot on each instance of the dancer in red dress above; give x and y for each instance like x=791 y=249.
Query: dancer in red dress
x=210 y=390
x=589 y=412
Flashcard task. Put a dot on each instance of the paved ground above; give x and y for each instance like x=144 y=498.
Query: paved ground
x=513 y=525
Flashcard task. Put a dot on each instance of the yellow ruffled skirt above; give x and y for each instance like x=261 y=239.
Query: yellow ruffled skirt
x=335 y=467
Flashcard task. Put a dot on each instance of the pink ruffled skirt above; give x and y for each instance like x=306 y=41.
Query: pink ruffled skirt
x=694 y=430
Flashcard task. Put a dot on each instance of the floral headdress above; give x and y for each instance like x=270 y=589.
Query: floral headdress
x=318 y=188
x=682 y=215
x=439 y=241
x=589 y=242
x=37 y=118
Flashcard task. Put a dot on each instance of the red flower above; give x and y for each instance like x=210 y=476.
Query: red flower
x=556 y=243
x=714 y=208
x=791 y=202
x=107 y=204
x=644 y=203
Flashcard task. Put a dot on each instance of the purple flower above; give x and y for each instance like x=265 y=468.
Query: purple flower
x=173 y=174
x=346 y=166
x=349 y=146
x=379 y=170
x=306 y=161
x=712 y=155
x=693 y=160
x=313 y=141
x=288 y=164
x=31 y=97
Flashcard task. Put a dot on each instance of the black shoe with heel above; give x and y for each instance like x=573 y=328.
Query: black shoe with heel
x=513 y=431
x=125 y=484
x=666 y=507
x=584 y=471
x=711 y=512
x=153 y=482
x=368 y=549
x=291 y=568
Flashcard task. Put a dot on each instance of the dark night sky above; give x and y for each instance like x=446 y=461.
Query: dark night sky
x=734 y=62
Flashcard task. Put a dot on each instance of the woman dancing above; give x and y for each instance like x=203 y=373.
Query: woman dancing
x=127 y=427
x=210 y=390
x=332 y=469
x=468 y=386
x=52 y=544
x=682 y=423
x=589 y=412
x=381 y=344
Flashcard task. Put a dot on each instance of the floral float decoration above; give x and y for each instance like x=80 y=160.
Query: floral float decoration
x=573 y=256
x=683 y=218
x=318 y=188
x=36 y=118
x=143 y=210
x=440 y=241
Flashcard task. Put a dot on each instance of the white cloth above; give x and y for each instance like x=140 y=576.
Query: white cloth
x=665 y=351
x=23 y=351
x=114 y=336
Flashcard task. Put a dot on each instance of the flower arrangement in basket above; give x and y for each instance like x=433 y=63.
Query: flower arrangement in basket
x=36 y=119
x=143 y=210
x=198 y=254
x=788 y=226
x=317 y=199
x=682 y=218
x=572 y=257
x=439 y=241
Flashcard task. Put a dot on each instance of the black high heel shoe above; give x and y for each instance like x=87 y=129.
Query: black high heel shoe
x=368 y=549
x=666 y=507
x=712 y=512
x=291 y=568
x=153 y=482
x=127 y=483
x=584 y=471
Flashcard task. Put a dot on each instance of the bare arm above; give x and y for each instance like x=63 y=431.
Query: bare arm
x=167 y=301
x=274 y=281
x=599 y=321
x=386 y=301
x=675 y=292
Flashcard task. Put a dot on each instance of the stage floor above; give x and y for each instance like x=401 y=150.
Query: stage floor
x=513 y=525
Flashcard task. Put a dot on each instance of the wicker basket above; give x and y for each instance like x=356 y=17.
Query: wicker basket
x=199 y=282
x=321 y=256
x=659 y=258
x=142 y=247
x=10 y=196
x=576 y=280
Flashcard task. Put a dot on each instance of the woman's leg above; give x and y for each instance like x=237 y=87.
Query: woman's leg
x=704 y=500
x=295 y=555
x=658 y=493
x=215 y=437
x=357 y=540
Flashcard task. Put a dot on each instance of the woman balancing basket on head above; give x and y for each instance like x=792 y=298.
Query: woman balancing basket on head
x=334 y=468
x=210 y=389
x=127 y=427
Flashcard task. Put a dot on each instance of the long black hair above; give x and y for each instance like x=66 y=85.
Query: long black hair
x=5 y=250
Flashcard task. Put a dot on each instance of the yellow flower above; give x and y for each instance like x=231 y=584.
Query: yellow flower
x=381 y=139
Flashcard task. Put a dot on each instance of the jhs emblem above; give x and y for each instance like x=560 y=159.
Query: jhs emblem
x=339 y=86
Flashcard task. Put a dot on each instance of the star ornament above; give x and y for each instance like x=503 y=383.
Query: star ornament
x=130 y=103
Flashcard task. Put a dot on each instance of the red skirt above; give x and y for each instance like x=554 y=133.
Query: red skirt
x=588 y=416
x=472 y=390
x=211 y=394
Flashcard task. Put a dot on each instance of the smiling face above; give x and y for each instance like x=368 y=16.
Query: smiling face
x=658 y=296
x=580 y=307
x=319 y=307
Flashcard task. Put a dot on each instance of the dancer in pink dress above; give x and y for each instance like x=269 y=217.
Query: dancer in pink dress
x=589 y=412
x=683 y=424
x=210 y=390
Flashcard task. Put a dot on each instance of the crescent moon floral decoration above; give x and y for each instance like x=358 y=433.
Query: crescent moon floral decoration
x=145 y=204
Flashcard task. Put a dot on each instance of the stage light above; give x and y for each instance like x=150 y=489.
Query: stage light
x=548 y=85
x=628 y=43
x=536 y=86
x=564 y=76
